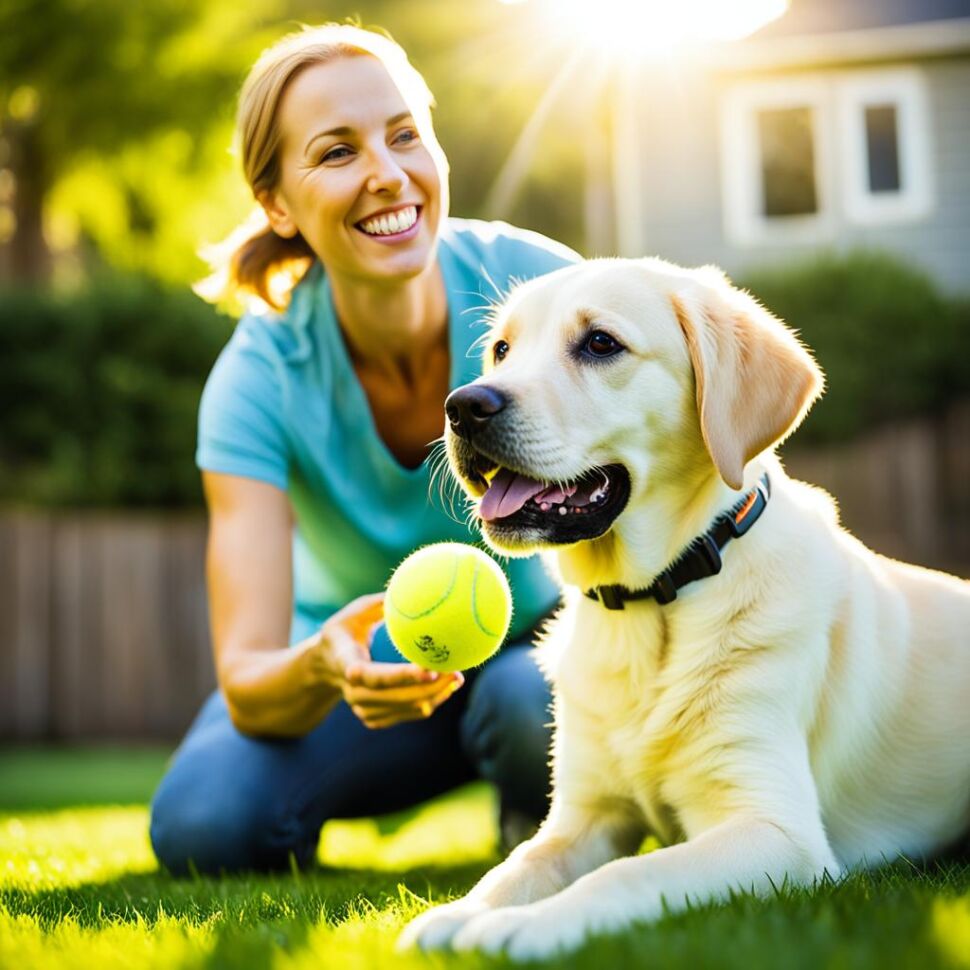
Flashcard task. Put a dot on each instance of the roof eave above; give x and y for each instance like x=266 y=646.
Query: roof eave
x=933 y=39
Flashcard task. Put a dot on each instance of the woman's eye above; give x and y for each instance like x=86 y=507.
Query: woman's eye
x=406 y=136
x=336 y=154
x=499 y=351
x=601 y=344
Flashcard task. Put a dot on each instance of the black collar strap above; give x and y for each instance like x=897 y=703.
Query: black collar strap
x=702 y=558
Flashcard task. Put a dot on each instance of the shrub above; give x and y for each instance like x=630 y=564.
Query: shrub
x=890 y=343
x=99 y=392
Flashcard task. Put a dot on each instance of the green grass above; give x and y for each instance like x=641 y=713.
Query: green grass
x=79 y=888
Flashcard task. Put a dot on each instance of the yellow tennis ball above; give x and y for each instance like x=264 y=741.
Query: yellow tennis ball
x=448 y=607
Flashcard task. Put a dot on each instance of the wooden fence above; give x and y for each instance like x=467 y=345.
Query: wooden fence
x=103 y=625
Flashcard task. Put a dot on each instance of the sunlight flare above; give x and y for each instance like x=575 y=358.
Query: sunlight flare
x=642 y=28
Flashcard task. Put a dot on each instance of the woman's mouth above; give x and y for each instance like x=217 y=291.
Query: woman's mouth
x=391 y=226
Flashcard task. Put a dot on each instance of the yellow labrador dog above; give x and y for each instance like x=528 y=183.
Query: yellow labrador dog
x=782 y=703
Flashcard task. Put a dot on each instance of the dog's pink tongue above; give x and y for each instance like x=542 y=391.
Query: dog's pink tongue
x=507 y=493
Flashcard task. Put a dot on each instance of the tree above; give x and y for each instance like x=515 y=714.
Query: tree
x=97 y=76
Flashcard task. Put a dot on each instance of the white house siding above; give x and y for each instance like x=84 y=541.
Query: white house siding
x=682 y=193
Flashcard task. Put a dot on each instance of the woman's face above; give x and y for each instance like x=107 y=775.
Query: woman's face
x=357 y=180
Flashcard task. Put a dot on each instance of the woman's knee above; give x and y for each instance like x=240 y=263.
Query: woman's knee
x=191 y=832
x=217 y=808
x=210 y=832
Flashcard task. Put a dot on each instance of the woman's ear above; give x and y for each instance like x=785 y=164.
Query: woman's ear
x=278 y=214
x=755 y=381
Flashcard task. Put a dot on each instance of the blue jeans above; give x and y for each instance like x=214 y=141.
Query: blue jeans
x=234 y=802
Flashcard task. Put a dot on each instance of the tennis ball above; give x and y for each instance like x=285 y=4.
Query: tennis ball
x=448 y=607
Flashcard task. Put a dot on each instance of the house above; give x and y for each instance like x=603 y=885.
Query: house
x=840 y=125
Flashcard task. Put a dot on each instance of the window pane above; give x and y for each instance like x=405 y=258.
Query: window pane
x=787 y=162
x=882 y=148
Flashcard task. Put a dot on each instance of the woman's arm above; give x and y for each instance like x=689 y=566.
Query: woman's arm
x=268 y=689
x=273 y=689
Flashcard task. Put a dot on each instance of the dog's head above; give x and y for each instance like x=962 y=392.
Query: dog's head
x=608 y=378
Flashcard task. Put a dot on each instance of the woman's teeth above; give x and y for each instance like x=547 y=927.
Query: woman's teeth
x=392 y=222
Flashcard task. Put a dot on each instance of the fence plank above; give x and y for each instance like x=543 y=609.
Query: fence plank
x=32 y=633
x=68 y=629
x=8 y=628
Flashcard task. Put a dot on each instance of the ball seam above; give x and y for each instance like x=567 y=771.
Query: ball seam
x=436 y=604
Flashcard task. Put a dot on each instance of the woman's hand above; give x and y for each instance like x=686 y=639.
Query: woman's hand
x=380 y=694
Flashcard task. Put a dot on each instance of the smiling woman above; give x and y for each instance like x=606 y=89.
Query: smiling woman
x=296 y=130
x=315 y=430
x=365 y=189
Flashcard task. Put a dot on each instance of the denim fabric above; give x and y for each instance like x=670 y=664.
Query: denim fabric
x=234 y=802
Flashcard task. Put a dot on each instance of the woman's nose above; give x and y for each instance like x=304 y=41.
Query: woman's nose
x=386 y=175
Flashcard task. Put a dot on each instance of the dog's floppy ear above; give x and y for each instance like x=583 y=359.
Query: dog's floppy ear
x=755 y=381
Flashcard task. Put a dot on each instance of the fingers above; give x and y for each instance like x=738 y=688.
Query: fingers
x=347 y=631
x=412 y=694
x=375 y=714
x=384 y=676
x=367 y=603
x=359 y=615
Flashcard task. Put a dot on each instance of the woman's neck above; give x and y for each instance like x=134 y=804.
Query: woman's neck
x=388 y=328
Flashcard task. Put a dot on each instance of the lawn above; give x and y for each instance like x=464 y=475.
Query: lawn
x=79 y=888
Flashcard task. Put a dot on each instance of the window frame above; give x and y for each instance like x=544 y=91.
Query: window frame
x=905 y=90
x=741 y=170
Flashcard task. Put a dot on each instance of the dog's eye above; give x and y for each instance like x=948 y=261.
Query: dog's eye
x=499 y=351
x=601 y=344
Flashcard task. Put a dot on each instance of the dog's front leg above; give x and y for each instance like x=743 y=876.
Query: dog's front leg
x=747 y=854
x=751 y=814
x=571 y=842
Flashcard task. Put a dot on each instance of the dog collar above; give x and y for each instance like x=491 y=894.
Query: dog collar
x=701 y=558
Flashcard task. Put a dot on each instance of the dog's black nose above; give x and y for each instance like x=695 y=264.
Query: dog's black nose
x=471 y=407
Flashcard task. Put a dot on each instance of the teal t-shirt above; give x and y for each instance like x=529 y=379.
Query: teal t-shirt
x=283 y=405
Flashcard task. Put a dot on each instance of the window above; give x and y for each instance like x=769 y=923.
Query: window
x=885 y=146
x=800 y=153
x=776 y=168
x=787 y=155
x=882 y=148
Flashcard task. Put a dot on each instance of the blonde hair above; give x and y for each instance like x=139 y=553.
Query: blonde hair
x=253 y=259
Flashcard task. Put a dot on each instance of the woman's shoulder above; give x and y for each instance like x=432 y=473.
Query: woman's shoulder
x=504 y=249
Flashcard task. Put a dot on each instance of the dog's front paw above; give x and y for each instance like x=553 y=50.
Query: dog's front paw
x=491 y=932
x=533 y=932
x=435 y=928
x=557 y=925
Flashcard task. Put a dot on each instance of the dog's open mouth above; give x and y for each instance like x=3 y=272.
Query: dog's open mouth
x=517 y=506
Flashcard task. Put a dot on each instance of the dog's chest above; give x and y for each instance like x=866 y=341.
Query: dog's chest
x=613 y=683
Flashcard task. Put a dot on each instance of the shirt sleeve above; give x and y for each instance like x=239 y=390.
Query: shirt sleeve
x=241 y=427
x=527 y=254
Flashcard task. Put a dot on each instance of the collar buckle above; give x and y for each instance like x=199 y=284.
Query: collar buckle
x=664 y=589
x=747 y=515
x=611 y=597
x=710 y=556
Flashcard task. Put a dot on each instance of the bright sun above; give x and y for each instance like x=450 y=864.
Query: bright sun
x=631 y=28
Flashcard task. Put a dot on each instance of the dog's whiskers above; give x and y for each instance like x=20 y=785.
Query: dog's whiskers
x=441 y=482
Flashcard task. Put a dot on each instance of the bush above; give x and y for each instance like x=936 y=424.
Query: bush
x=99 y=392
x=890 y=343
